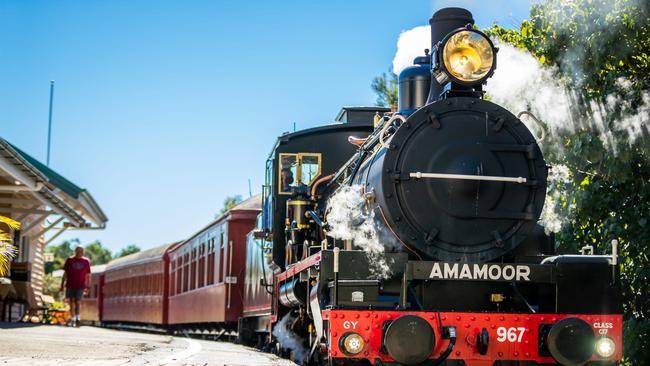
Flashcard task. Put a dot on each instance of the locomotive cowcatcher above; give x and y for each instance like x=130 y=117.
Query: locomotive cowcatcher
x=454 y=186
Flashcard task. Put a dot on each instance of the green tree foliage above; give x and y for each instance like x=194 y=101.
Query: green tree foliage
x=595 y=44
x=385 y=86
x=51 y=286
x=230 y=202
x=97 y=253
x=129 y=249
x=60 y=253
x=94 y=251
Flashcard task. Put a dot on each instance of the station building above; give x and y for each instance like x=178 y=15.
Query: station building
x=44 y=202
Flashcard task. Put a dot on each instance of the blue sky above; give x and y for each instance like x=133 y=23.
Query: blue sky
x=164 y=108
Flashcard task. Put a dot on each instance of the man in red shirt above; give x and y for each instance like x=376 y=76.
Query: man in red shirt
x=76 y=279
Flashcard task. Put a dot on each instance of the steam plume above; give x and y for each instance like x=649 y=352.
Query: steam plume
x=289 y=340
x=541 y=90
x=349 y=219
x=411 y=44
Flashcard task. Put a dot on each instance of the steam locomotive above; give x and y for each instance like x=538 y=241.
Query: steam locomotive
x=455 y=186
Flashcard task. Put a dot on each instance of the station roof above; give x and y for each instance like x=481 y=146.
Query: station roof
x=53 y=177
x=52 y=189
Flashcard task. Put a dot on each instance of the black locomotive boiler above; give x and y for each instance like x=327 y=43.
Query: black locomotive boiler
x=458 y=183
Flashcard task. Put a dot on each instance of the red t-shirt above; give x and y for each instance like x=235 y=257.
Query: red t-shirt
x=76 y=270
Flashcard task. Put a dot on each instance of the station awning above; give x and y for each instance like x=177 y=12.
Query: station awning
x=26 y=185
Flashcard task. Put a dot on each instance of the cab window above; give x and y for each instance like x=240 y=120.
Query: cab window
x=288 y=172
x=297 y=170
x=310 y=168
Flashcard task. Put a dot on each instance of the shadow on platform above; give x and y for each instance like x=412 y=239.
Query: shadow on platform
x=13 y=325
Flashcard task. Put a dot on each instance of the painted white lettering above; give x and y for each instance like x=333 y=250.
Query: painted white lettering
x=522 y=273
x=480 y=272
x=513 y=335
x=435 y=271
x=494 y=272
x=508 y=273
x=451 y=272
x=465 y=272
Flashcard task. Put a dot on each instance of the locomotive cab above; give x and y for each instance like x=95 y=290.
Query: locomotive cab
x=297 y=170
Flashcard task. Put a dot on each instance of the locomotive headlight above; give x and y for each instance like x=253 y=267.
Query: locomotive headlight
x=466 y=56
x=571 y=341
x=352 y=343
x=605 y=347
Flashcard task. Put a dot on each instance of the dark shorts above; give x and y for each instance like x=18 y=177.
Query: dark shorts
x=74 y=293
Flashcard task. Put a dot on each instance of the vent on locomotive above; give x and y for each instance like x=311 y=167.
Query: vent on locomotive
x=298 y=171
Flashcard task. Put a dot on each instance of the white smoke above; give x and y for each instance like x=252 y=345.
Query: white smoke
x=521 y=83
x=349 y=219
x=558 y=202
x=411 y=44
x=288 y=340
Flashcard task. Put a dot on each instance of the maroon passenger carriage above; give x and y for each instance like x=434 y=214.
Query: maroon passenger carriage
x=207 y=272
x=92 y=302
x=194 y=284
x=135 y=288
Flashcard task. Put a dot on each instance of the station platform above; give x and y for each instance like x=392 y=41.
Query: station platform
x=45 y=345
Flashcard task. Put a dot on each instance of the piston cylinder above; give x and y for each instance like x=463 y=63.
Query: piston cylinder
x=293 y=293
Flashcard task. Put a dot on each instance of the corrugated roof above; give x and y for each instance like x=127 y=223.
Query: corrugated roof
x=142 y=256
x=98 y=268
x=252 y=203
x=8 y=150
x=53 y=177
x=43 y=174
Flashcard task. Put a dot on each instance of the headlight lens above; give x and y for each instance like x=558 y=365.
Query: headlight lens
x=605 y=347
x=353 y=343
x=571 y=341
x=468 y=56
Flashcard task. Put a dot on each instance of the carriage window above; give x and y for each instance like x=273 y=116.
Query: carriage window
x=297 y=170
